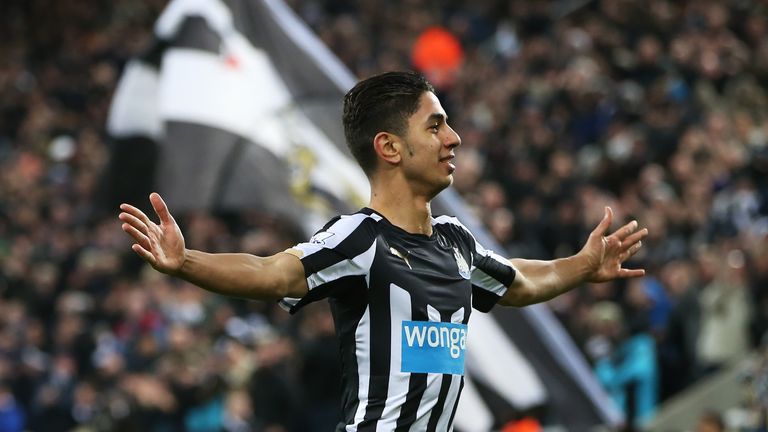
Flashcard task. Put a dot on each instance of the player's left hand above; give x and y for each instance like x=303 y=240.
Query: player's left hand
x=605 y=254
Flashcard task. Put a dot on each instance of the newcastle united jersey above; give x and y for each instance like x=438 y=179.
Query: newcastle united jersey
x=401 y=303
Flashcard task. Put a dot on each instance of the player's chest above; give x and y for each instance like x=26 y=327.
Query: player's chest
x=434 y=276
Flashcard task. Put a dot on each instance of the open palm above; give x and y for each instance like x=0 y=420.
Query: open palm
x=161 y=245
x=607 y=253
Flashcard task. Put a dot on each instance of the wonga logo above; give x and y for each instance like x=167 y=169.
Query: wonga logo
x=433 y=347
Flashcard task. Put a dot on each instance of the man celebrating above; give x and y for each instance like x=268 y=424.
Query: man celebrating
x=401 y=283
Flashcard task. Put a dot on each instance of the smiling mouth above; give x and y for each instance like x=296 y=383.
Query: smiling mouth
x=449 y=160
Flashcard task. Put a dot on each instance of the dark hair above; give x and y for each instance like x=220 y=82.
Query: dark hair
x=381 y=103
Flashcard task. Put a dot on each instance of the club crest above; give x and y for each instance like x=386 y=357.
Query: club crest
x=461 y=263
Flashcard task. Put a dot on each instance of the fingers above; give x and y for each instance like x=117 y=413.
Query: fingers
x=634 y=239
x=144 y=254
x=631 y=251
x=134 y=222
x=138 y=225
x=133 y=211
x=160 y=208
x=137 y=230
x=631 y=273
x=137 y=235
x=618 y=247
x=604 y=224
x=624 y=232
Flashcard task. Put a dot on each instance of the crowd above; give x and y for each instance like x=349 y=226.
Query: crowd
x=90 y=339
x=658 y=108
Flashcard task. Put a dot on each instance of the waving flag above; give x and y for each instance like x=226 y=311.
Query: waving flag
x=230 y=130
x=238 y=105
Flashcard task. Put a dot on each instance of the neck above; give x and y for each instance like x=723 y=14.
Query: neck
x=402 y=207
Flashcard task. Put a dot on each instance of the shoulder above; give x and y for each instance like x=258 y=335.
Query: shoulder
x=451 y=223
x=359 y=224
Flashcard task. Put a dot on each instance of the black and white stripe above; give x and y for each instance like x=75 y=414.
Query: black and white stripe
x=378 y=278
x=210 y=102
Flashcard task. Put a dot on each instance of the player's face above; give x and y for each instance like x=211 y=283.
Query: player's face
x=428 y=159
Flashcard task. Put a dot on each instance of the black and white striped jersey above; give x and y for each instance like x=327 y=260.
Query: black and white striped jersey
x=401 y=303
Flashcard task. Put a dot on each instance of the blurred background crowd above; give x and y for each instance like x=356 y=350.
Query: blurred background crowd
x=657 y=108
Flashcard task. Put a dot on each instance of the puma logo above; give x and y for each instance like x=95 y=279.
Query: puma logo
x=398 y=254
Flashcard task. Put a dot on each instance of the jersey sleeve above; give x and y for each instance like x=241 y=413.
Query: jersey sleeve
x=491 y=275
x=335 y=259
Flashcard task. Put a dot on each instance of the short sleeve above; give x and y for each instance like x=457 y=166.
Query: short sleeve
x=335 y=259
x=491 y=275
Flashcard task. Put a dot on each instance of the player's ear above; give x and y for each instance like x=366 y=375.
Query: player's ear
x=388 y=147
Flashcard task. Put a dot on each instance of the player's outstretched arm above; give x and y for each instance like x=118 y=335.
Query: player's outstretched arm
x=238 y=275
x=600 y=260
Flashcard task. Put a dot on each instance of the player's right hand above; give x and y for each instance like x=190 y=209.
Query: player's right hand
x=162 y=246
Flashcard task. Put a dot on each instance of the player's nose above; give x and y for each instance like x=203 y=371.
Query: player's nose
x=452 y=139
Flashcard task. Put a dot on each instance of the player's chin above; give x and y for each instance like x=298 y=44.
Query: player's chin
x=446 y=182
x=437 y=186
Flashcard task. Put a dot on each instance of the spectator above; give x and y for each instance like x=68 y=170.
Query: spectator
x=625 y=363
x=725 y=313
x=12 y=418
x=710 y=421
x=678 y=361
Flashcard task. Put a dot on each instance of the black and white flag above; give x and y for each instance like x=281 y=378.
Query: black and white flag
x=229 y=129
x=238 y=105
